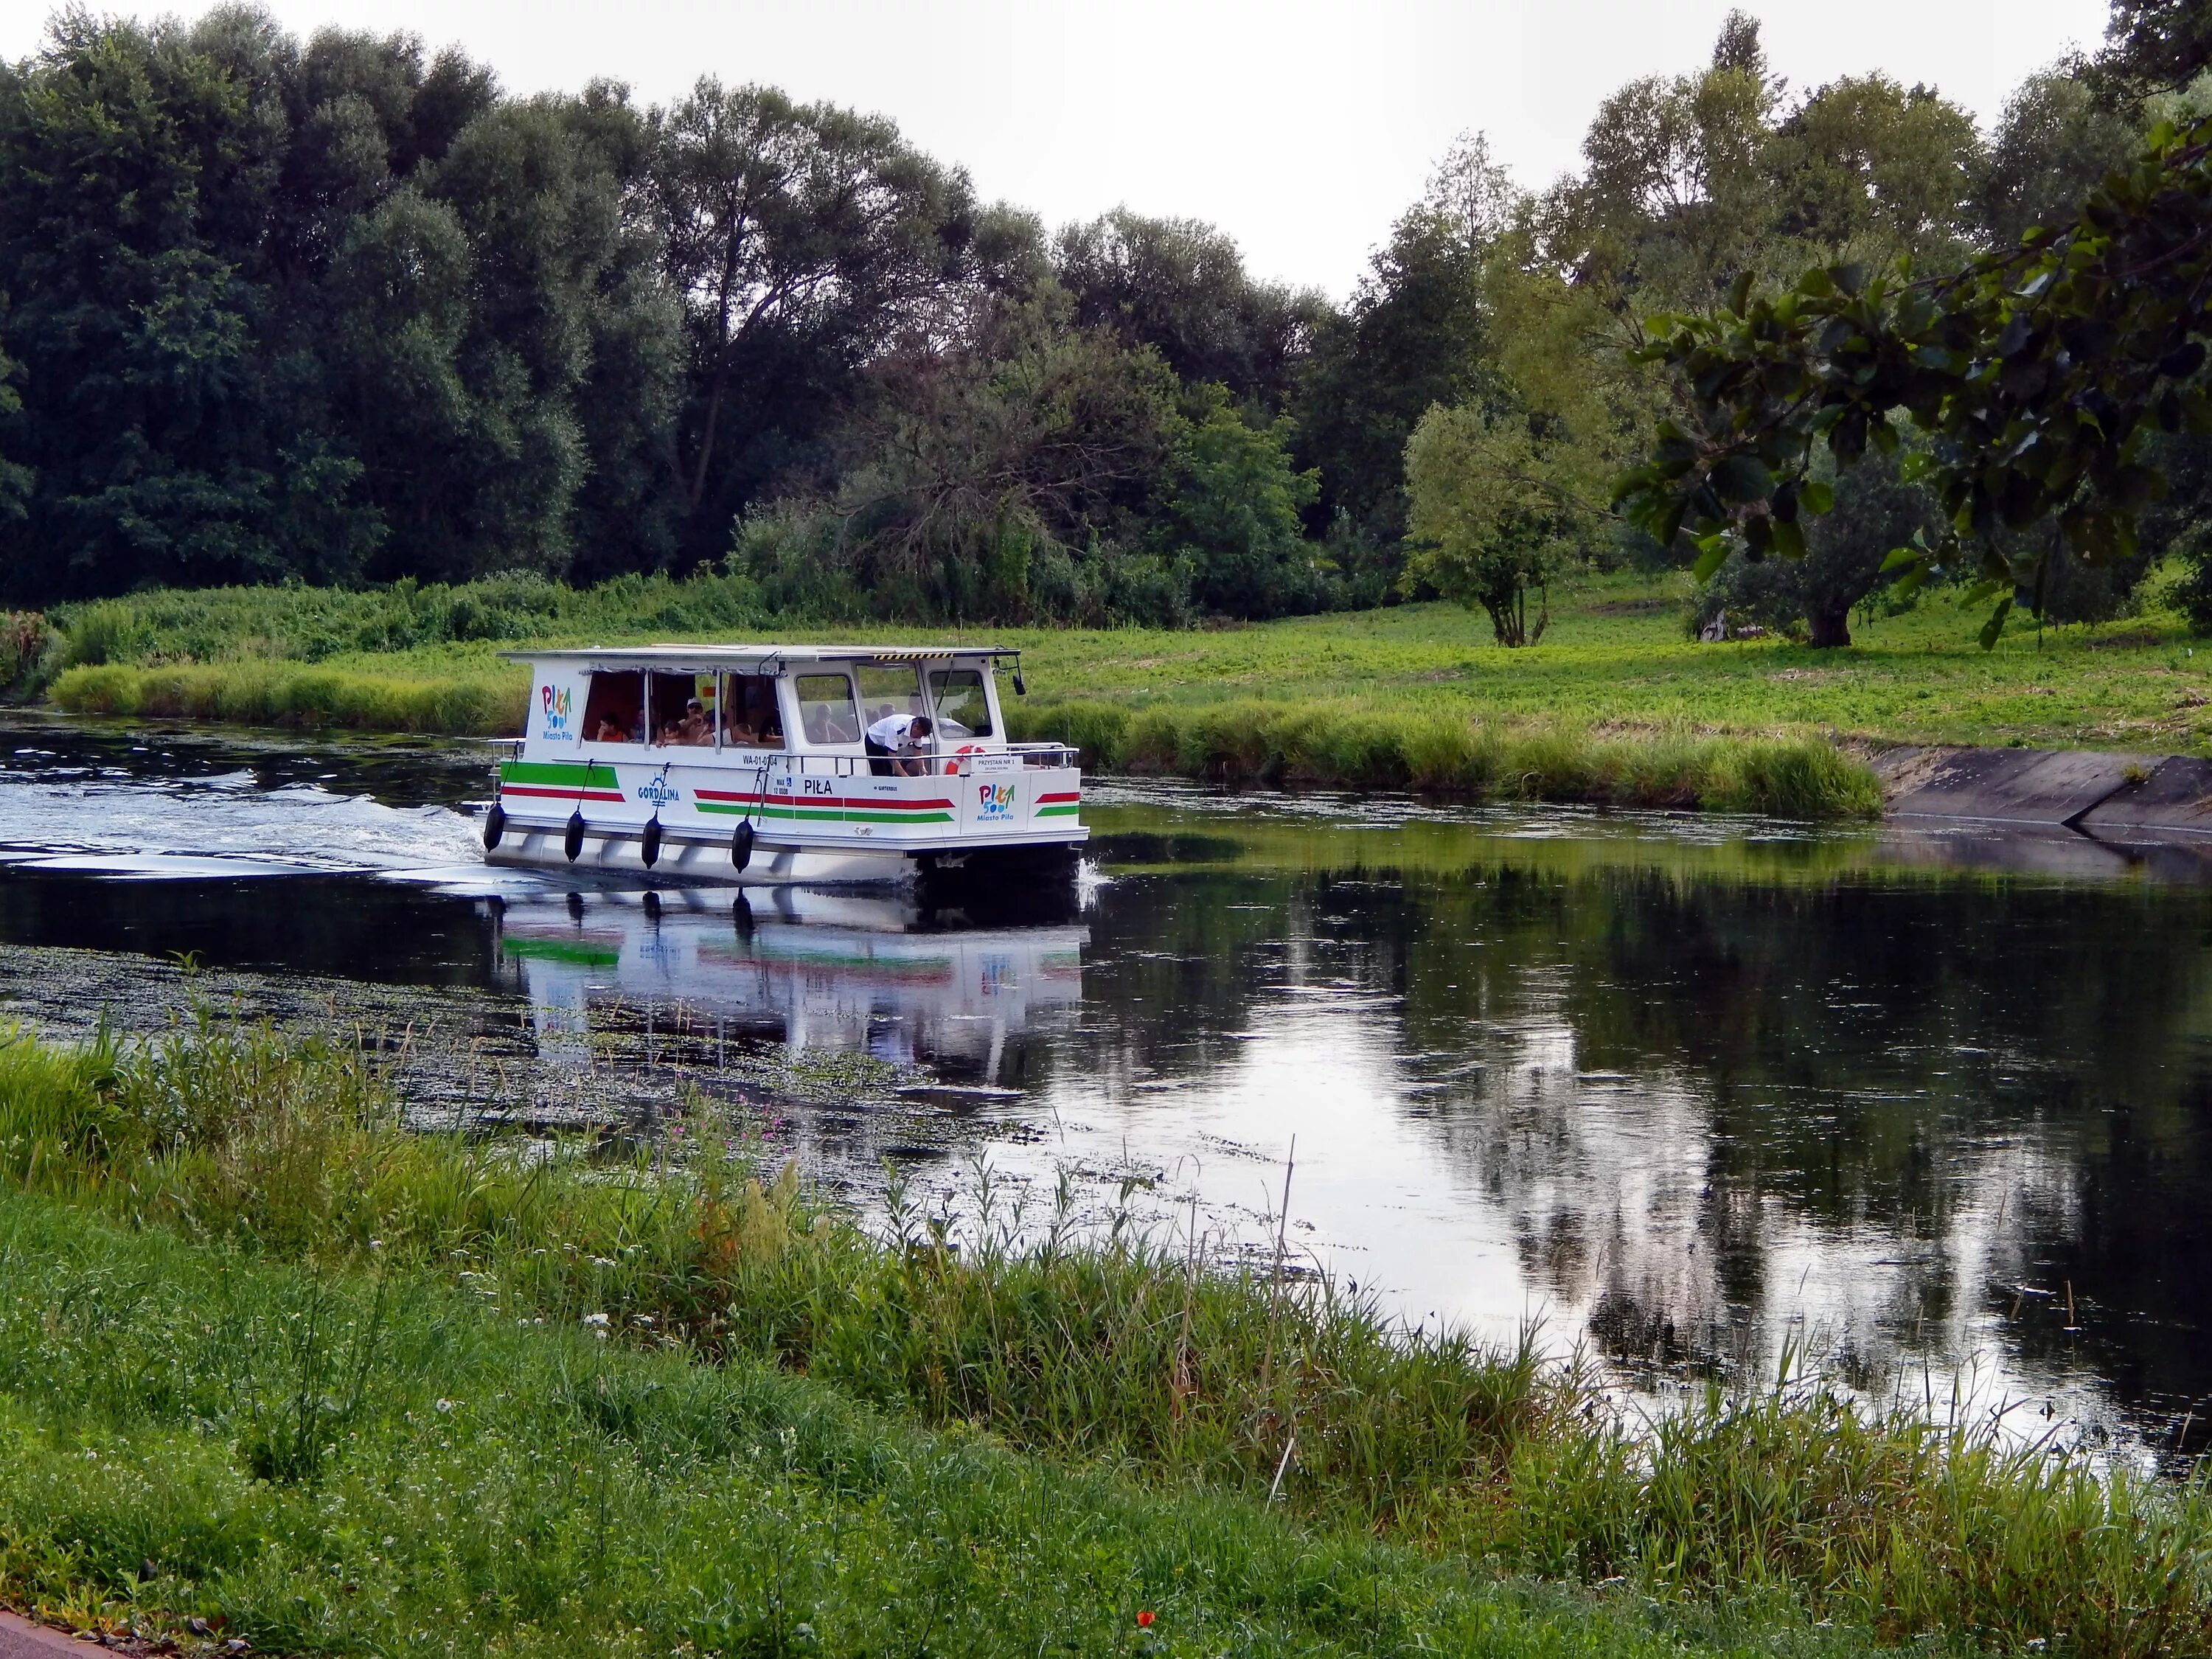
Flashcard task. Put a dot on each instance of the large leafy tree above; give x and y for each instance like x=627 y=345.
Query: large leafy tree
x=1229 y=507
x=1847 y=549
x=2055 y=142
x=129 y=165
x=2053 y=380
x=1180 y=287
x=802 y=239
x=1417 y=333
x=985 y=470
x=2037 y=374
x=1498 y=514
x=329 y=311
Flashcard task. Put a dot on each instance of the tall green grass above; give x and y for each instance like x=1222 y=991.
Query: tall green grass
x=1127 y=1351
x=1239 y=744
x=1445 y=752
x=172 y=626
x=469 y=699
x=202 y=1447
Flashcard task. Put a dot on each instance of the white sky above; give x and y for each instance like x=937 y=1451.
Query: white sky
x=1302 y=127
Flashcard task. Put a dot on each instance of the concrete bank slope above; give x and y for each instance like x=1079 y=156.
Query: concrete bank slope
x=2154 y=796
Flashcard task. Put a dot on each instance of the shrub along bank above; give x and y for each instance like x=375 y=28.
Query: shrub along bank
x=331 y=1461
x=1441 y=752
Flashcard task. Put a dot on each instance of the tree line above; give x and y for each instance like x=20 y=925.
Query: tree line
x=340 y=311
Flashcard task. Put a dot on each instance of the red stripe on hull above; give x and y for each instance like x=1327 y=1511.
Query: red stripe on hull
x=561 y=794
x=873 y=804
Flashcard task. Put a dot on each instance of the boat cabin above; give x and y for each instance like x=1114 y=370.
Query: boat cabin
x=841 y=762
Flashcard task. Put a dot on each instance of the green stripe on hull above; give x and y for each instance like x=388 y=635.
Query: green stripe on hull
x=547 y=949
x=1057 y=811
x=568 y=775
x=823 y=814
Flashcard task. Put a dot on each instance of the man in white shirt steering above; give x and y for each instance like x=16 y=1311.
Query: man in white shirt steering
x=895 y=745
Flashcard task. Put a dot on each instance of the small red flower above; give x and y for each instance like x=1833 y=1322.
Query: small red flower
x=1144 y=1620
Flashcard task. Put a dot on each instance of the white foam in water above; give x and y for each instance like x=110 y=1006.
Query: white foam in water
x=220 y=824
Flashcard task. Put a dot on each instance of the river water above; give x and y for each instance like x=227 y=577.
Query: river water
x=1934 y=1109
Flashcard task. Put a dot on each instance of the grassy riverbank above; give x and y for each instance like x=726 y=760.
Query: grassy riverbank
x=1615 y=706
x=334 y=1463
x=614 y=1454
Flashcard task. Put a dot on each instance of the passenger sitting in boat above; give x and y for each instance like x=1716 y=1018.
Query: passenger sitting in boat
x=894 y=746
x=694 y=728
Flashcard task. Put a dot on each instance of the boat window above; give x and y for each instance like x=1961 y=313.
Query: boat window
x=683 y=708
x=750 y=717
x=825 y=709
x=962 y=710
x=614 y=709
x=887 y=689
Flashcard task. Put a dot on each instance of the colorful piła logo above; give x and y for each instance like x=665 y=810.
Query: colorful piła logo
x=556 y=705
x=996 y=799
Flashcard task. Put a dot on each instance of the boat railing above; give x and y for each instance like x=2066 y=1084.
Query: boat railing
x=1045 y=754
x=804 y=764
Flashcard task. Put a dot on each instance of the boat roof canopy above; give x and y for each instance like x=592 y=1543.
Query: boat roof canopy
x=648 y=656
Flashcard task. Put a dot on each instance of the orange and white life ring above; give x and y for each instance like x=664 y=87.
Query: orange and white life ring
x=957 y=765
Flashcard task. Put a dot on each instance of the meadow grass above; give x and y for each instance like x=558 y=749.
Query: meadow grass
x=1108 y=1351
x=1614 y=662
x=1615 y=706
x=205 y=1445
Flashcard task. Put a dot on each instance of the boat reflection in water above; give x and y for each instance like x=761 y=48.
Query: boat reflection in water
x=888 y=974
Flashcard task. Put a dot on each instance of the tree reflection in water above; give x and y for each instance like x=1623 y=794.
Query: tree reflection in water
x=1882 y=1112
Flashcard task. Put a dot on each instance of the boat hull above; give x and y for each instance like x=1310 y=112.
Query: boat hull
x=693 y=860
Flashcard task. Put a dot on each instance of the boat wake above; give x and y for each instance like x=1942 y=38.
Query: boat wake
x=102 y=820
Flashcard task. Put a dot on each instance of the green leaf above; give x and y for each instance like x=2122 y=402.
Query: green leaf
x=1995 y=626
x=1816 y=284
x=1711 y=551
x=1901 y=556
x=1816 y=496
x=1743 y=479
x=1789 y=539
x=1739 y=292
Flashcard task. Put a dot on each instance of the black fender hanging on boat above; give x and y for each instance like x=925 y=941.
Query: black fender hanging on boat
x=648 y=846
x=495 y=826
x=573 y=843
x=741 y=845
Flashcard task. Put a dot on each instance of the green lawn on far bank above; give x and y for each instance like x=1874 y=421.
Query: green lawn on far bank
x=1615 y=657
x=1616 y=705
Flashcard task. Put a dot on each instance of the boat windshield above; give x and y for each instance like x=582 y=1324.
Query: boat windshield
x=962 y=710
x=886 y=689
x=826 y=712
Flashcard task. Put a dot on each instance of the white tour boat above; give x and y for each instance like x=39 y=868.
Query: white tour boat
x=751 y=763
